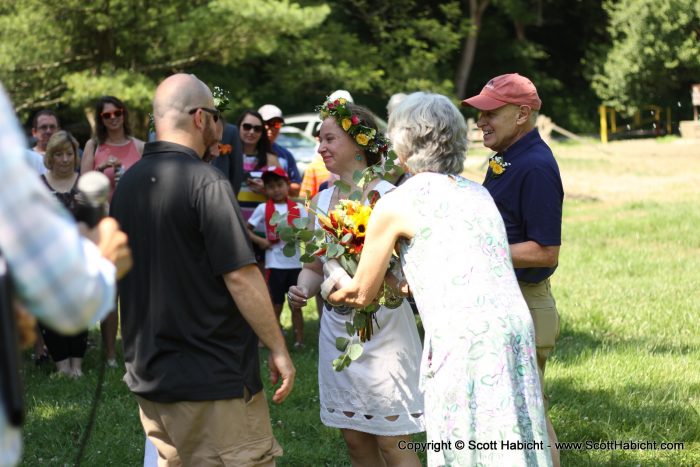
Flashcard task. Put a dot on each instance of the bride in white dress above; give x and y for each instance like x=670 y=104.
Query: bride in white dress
x=375 y=401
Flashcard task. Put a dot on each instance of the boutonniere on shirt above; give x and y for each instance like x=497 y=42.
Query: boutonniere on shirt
x=498 y=165
x=225 y=149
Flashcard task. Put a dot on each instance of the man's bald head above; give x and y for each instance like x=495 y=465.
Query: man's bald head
x=183 y=112
x=177 y=95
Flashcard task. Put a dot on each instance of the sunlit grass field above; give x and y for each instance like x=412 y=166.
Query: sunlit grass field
x=626 y=366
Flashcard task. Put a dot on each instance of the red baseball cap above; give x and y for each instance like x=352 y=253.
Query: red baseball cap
x=506 y=89
x=279 y=171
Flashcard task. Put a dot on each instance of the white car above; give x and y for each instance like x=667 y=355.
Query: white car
x=302 y=146
x=306 y=123
x=309 y=123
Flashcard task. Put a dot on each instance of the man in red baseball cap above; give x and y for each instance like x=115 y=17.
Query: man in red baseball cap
x=523 y=178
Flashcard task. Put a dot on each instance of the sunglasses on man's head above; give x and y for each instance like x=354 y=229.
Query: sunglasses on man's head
x=274 y=124
x=251 y=127
x=109 y=115
x=214 y=112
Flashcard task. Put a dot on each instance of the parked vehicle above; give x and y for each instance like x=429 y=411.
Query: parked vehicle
x=302 y=146
x=309 y=123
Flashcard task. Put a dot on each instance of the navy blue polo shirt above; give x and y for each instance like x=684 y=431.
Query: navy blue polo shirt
x=529 y=195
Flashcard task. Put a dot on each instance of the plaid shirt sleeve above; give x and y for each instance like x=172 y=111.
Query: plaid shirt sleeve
x=59 y=275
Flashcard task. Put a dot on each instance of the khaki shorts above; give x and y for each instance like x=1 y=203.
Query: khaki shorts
x=231 y=432
x=545 y=317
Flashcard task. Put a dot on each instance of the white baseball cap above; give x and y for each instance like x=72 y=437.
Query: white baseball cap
x=341 y=93
x=270 y=112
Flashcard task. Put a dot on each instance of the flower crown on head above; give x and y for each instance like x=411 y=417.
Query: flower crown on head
x=366 y=137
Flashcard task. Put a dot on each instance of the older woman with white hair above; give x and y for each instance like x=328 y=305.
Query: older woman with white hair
x=483 y=402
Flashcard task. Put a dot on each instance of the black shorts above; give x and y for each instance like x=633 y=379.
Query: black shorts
x=279 y=281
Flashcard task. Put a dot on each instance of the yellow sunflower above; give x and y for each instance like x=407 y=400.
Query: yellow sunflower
x=359 y=221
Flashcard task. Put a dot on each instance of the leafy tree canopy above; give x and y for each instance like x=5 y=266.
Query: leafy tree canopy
x=655 y=52
x=73 y=53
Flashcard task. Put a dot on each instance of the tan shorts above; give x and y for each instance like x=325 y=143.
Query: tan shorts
x=545 y=317
x=229 y=432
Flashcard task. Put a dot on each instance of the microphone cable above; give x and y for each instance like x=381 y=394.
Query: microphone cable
x=93 y=408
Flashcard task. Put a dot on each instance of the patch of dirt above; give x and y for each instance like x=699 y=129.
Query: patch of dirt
x=620 y=171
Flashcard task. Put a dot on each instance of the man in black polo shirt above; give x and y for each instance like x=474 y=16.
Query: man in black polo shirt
x=195 y=300
x=523 y=178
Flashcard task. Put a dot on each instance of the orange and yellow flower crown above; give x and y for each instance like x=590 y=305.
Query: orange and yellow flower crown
x=366 y=137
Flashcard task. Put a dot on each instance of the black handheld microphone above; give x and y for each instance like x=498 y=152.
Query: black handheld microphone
x=11 y=389
x=91 y=200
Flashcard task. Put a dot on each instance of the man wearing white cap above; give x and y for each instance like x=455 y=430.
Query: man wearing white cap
x=272 y=116
x=341 y=94
x=523 y=179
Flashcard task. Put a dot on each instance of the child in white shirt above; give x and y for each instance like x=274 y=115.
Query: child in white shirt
x=281 y=271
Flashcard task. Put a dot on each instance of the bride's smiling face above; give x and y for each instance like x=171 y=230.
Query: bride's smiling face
x=336 y=147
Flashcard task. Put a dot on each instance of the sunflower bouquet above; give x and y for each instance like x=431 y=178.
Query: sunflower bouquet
x=341 y=237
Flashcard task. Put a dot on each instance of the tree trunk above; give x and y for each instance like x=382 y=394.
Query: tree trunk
x=476 y=11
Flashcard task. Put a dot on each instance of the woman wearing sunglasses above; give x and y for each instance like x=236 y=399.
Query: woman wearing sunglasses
x=257 y=153
x=112 y=147
x=111 y=150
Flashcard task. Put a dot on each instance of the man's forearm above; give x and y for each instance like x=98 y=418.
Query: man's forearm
x=531 y=254
x=247 y=287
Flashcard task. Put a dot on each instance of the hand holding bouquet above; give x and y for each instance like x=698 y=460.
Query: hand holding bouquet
x=341 y=240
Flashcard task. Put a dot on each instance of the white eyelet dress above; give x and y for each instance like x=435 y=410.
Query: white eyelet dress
x=378 y=393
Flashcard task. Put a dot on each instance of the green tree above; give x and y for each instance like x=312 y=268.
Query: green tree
x=73 y=53
x=654 y=56
x=373 y=48
x=522 y=13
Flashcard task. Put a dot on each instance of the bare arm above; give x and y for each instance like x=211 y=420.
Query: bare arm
x=386 y=224
x=294 y=190
x=262 y=243
x=531 y=254
x=311 y=275
x=139 y=145
x=308 y=284
x=247 y=287
x=88 y=161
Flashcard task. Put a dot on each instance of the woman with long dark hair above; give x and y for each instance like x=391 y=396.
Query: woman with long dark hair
x=111 y=150
x=257 y=153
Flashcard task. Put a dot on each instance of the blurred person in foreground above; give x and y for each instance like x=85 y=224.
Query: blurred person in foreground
x=274 y=121
x=523 y=179
x=62 y=161
x=68 y=282
x=195 y=299
x=479 y=371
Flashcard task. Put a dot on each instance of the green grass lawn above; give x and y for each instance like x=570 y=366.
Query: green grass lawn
x=626 y=366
